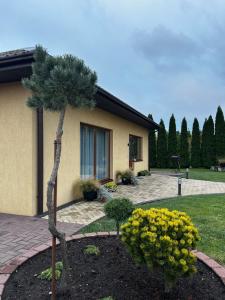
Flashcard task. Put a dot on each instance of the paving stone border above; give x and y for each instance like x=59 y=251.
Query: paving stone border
x=11 y=266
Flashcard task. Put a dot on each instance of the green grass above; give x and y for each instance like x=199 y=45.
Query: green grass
x=207 y=213
x=200 y=174
x=205 y=174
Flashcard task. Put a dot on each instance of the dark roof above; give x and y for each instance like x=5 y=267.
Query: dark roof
x=16 y=64
x=16 y=53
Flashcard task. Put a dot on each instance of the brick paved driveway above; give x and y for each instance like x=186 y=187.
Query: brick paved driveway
x=18 y=234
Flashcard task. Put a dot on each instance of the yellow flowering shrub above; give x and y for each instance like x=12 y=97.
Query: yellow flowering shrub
x=162 y=239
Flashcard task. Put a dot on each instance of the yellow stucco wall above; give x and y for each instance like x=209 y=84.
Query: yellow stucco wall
x=17 y=151
x=70 y=163
x=18 y=132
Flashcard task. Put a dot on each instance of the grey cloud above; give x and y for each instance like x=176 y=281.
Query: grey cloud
x=167 y=49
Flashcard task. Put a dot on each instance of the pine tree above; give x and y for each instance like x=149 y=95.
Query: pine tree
x=195 y=145
x=172 y=140
x=56 y=83
x=162 y=154
x=152 y=147
x=184 y=145
x=220 y=133
x=211 y=156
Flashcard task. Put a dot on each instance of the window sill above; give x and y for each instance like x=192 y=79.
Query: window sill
x=137 y=160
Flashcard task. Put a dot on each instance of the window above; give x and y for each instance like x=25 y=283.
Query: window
x=135 y=148
x=94 y=148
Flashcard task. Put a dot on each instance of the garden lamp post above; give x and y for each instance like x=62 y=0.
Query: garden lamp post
x=187 y=173
x=179 y=185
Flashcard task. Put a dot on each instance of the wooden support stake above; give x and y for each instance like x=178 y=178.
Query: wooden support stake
x=53 y=286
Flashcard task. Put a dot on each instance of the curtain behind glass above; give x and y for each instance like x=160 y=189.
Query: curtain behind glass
x=86 y=152
x=102 y=154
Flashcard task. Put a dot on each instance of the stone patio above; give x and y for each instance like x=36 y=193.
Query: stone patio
x=19 y=234
x=150 y=188
x=85 y=212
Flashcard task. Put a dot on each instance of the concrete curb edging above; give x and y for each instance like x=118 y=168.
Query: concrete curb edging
x=212 y=264
x=11 y=266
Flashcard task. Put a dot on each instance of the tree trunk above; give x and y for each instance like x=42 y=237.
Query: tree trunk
x=50 y=203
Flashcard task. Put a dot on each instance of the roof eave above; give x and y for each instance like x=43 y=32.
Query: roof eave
x=18 y=67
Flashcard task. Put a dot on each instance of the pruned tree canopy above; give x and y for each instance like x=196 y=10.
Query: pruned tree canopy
x=58 y=81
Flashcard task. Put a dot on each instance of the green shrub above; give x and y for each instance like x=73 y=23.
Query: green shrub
x=89 y=185
x=144 y=173
x=92 y=250
x=47 y=274
x=111 y=186
x=118 y=209
x=163 y=240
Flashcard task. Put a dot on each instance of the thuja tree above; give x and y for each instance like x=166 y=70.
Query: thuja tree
x=211 y=157
x=172 y=140
x=220 y=133
x=208 y=144
x=162 y=154
x=152 y=146
x=204 y=144
x=195 y=145
x=56 y=83
x=184 y=145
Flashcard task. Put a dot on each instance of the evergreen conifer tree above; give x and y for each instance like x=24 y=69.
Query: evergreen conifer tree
x=195 y=145
x=162 y=155
x=184 y=145
x=220 y=133
x=152 y=147
x=204 y=158
x=211 y=156
x=55 y=84
x=172 y=140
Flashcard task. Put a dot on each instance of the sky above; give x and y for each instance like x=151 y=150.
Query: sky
x=159 y=56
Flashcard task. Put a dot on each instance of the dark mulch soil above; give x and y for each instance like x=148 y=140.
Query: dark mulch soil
x=112 y=273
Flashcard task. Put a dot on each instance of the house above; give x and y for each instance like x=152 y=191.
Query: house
x=96 y=143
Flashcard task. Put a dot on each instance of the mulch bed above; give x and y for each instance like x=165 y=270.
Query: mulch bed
x=112 y=273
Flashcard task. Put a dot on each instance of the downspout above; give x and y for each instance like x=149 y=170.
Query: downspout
x=40 y=161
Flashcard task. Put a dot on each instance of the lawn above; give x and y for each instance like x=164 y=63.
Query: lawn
x=207 y=213
x=200 y=174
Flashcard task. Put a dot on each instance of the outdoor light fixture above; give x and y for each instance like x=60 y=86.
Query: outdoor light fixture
x=187 y=173
x=179 y=185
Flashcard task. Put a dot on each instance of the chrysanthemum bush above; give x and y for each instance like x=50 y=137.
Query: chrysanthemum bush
x=162 y=239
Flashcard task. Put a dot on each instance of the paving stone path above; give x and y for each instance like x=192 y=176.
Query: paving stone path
x=150 y=188
x=19 y=234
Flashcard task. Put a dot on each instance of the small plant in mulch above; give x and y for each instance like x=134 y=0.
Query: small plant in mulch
x=47 y=274
x=107 y=298
x=163 y=240
x=118 y=209
x=91 y=250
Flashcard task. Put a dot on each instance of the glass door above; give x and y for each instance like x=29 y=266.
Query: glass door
x=94 y=148
x=102 y=154
x=87 y=152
